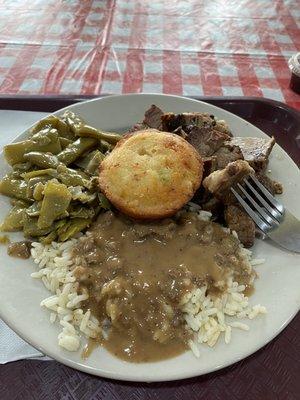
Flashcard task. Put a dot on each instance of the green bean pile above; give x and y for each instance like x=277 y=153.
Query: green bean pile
x=53 y=184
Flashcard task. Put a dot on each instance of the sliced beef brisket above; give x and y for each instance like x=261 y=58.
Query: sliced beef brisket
x=273 y=186
x=206 y=140
x=255 y=150
x=153 y=117
x=171 y=121
x=202 y=195
x=238 y=221
x=228 y=153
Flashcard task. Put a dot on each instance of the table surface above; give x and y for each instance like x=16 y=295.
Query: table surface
x=266 y=375
x=190 y=47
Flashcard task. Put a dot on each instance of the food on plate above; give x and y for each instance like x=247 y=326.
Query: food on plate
x=186 y=121
x=227 y=153
x=219 y=182
x=255 y=151
x=148 y=290
x=215 y=142
x=53 y=183
x=4 y=239
x=151 y=174
x=121 y=257
x=19 y=249
x=240 y=222
x=132 y=264
x=273 y=186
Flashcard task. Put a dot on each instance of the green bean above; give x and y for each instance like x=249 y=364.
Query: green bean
x=49 y=238
x=53 y=122
x=52 y=201
x=16 y=175
x=32 y=183
x=20 y=203
x=82 y=162
x=72 y=227
x=64 y=130
x=38 y=191
x=14 y=219
x=105 y=146
x=76 y=150
x=90 y=162
x=53 y=234
x=82 y=196
x=94 y=162
x=34 y=209
x=43 y=123
x=80 y=128
x=50 y=172
x=89 y=131
x=64 y=142
x=22 y=167
x=103 y=201
x=78 y=211
x=55 y=203
x=94 y=181
x=73 y=121
x=12 y=187
x=72 y=177
x=45 y=136
x=31 y=228
x=44 y=141
x=42 y=160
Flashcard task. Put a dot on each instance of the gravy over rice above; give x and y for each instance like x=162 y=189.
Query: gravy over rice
x=136 y=275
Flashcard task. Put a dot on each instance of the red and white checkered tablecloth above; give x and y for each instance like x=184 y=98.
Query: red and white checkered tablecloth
x=190 y=47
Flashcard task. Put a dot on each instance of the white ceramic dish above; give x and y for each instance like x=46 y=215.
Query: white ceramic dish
x=277 y=287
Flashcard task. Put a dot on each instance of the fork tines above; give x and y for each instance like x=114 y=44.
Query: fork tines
x=259 y=203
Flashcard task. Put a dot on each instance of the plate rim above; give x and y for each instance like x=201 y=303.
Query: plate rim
x=114 y=374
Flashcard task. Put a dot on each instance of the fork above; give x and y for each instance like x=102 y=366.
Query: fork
x=271 y=217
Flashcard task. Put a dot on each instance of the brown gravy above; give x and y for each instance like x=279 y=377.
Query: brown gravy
x=136 y=274
x=19 y=249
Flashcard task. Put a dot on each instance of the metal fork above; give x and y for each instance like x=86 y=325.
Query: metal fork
x=271 y=217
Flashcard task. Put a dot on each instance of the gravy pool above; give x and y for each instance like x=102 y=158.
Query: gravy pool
x=137 y=273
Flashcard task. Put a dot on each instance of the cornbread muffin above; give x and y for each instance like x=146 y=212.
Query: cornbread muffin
x=151 y=174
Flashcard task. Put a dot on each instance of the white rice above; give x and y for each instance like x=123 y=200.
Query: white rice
x=55 y=270
x=207 y=317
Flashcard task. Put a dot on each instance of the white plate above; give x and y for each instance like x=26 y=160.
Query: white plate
x=277 y=287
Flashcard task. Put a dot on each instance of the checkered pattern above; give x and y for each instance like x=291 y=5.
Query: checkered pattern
x=191 y=47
